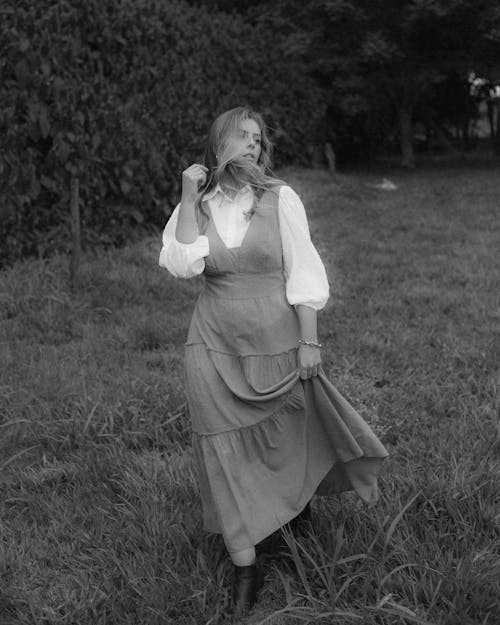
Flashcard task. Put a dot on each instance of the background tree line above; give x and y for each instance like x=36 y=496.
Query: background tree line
x=120 y=93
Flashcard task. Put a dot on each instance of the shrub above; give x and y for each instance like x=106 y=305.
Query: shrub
x=120 y=93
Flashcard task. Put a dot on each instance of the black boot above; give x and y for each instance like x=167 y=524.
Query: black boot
x=247 y=582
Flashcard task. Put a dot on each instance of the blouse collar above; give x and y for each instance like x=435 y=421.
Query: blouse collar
x=218 y=189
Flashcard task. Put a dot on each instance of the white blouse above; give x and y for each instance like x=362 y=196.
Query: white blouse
x=305 y=275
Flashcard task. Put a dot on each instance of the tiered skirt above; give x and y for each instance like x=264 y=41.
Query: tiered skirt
x=265 y=441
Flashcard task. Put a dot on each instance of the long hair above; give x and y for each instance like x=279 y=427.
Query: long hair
x=232 y=170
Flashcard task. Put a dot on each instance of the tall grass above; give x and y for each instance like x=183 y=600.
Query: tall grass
x=100 y=519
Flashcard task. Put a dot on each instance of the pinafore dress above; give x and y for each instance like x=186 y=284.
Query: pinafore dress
x=264 y=441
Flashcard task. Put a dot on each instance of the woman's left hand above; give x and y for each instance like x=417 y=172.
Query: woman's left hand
x=309 y=361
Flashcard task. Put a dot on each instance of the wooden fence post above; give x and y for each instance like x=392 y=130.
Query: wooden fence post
x=76 y=247
x=330 y=158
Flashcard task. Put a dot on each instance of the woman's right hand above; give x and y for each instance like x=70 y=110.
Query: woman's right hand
x=193 y=178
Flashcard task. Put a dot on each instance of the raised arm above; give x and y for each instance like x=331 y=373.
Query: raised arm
x=192 y=179
x=184 y=250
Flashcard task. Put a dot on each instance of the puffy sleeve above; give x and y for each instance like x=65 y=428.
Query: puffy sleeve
x=183 y=260
x=305 y=275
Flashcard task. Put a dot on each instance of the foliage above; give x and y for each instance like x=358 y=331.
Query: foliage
x=377 y=61
x=121 y=94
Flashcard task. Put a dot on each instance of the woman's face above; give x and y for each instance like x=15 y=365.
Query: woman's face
x=245 y=141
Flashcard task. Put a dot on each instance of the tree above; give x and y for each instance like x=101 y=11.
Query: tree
x=370 y=54
x=406 y=48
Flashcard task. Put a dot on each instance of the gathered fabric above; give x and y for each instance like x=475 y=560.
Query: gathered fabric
x=264 y=440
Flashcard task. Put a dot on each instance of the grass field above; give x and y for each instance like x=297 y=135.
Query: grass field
x=100 y=522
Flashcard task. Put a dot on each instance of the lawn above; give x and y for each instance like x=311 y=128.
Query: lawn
x=99 y=515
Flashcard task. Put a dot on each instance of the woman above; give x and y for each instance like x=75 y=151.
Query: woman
x=268 y=428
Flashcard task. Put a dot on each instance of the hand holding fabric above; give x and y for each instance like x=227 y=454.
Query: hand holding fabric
x=309 y=361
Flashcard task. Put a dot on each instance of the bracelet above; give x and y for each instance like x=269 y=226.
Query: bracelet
x=311 y=343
